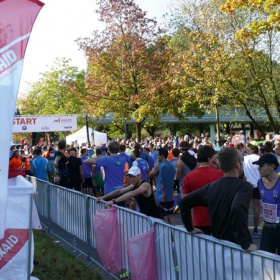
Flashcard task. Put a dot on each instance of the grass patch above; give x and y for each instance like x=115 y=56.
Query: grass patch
x=55 y=262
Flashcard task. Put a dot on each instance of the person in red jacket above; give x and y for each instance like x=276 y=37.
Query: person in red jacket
x=197 y=179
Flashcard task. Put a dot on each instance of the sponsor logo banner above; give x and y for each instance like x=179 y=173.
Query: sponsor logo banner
x=16 y=21
x=44 y=124
x=11 y=244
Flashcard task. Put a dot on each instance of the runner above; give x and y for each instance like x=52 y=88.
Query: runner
x=140 y=190
x=227 y=200
x=269 y=186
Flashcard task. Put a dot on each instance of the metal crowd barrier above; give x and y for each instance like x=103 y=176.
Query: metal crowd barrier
x=178 y=254
x=183 y=256
x=131 y=223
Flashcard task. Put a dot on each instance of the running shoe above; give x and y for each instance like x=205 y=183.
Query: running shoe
x=256 y=234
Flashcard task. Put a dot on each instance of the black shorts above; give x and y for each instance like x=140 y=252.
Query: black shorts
x=166 y=207
x=256 y=193
x=88 y=183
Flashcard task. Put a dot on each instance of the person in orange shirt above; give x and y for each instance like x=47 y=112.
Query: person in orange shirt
x=170 y=155
x=15 y=161
x=26 y=160
x=46 y=152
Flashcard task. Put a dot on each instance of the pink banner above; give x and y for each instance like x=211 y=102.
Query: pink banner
x=16 y=21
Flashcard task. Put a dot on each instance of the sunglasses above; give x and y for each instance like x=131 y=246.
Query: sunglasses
x=131 y=176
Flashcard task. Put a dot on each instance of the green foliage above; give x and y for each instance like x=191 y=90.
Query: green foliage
x=215 y=68
x=136 y=71
x=269 y=21
x=61 y=90
x=128 y=65
x=54 y=262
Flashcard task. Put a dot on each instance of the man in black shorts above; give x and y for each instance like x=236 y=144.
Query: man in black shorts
x=60 y=165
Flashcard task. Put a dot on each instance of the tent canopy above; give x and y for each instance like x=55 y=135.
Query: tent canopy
x=96 y=138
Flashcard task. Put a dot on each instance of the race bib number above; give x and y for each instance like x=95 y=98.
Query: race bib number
x=270 y=213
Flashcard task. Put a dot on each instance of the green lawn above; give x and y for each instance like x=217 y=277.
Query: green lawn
x=53 y=262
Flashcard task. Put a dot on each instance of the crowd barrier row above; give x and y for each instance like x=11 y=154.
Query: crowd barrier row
x=178 y=254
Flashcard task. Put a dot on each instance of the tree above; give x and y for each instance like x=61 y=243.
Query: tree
x=267 y=15
x=61 y=90
x=220 y=69
x=128 y=64
x=204 y=57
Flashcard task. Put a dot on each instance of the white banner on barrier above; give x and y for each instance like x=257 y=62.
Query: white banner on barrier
x=44 y=124
x=14 y=247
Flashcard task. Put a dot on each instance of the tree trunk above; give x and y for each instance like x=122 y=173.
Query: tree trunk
x=256 y=124
x=151 y=130
x=138 y=132
x=252 y=130
x=174 y=128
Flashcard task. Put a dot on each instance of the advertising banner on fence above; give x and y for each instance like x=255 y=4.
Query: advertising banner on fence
x=16 y=21
x=14 y=251
x=44 y=124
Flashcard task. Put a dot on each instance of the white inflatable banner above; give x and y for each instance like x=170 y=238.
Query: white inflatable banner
x=44 y=124
x=16 y=21
x=14 y=247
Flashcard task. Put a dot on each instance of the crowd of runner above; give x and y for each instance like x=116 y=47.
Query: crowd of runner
x=210 y=184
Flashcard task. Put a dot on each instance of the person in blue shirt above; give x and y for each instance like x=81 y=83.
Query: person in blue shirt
x=151 y=161
x=87 y=185
x=142 y=164
x=123 y=154
x=269 y=186
x=113 y=166
x=165 y=173
x=40 y=166
x=153 y=152
x=137 y=146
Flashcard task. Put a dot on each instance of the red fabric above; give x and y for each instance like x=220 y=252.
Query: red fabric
x=106 y=233
x=15 y=172
x=141 y=256
x=195 y=180
x=40 y=143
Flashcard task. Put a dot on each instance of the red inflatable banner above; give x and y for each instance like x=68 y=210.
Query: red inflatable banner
x=16 y=21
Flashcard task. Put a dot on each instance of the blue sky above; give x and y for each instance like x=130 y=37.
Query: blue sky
x=59 y=23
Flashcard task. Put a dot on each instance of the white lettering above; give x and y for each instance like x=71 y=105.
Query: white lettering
x=11 y=56
x=11 y=244
x=6 y=247
x=4 y=56
x=2 y=253
x=13 y=239
x=7 y=59
x=2 y=64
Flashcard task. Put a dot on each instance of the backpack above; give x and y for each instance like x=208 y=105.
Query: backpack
x=56 y=161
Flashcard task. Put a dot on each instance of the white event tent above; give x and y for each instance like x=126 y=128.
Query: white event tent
x=96 y=138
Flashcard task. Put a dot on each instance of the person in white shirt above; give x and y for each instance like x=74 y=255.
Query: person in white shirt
x=252 y=174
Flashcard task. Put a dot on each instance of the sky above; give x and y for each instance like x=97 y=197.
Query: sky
x=59 y=24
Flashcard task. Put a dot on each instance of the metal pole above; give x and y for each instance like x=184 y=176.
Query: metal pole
x=87 y=129
x=88 y=228
x=29 y=237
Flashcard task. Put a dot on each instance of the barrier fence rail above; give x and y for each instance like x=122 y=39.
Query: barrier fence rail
x=178 y=254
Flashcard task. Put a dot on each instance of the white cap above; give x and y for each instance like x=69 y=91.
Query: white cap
x=134 y=171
